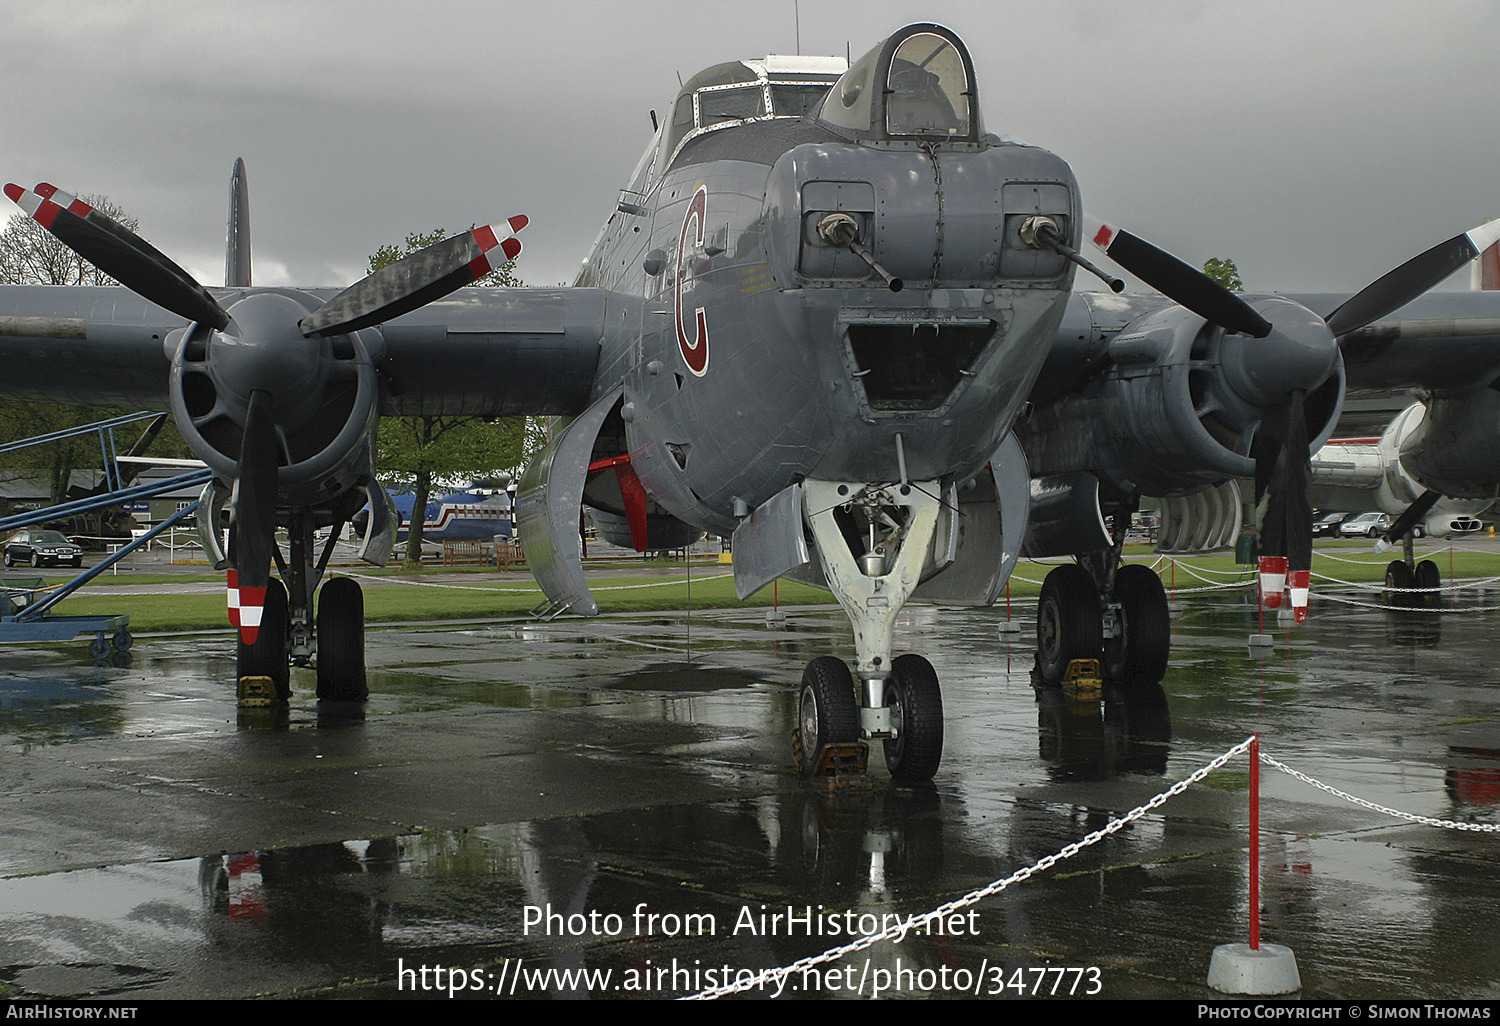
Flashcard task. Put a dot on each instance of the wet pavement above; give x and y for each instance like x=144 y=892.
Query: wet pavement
x=521 y=803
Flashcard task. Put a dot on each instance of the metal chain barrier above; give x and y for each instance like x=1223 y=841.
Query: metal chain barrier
x=1375 y=562
x=768 y=976
x=772 y=976
x=1455 y=585
x=1447 y=824
x=1188 y=567
x=1405 y=609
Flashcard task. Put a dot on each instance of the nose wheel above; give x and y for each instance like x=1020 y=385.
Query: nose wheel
x=828 y=714
x=826 y=711
x=916 y=704
x=873 y=541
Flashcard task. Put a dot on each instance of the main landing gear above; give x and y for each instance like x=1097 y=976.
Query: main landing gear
x=873 y=541
x=337 y=649
x=1401 y=579
x=333 y=642
x=1119 y=618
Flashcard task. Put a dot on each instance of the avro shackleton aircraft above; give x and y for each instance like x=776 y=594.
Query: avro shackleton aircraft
x=831 y=317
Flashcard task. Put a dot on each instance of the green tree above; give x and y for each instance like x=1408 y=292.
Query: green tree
x=411 y=453
x=1225 y=273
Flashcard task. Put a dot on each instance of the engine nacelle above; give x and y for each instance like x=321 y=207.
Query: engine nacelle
x=1359 y=475
x=1179 y=405
x=1455 y=448
x=324 y=395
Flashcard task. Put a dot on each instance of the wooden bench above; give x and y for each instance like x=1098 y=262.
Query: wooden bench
x=466 y=551
x=508 y=553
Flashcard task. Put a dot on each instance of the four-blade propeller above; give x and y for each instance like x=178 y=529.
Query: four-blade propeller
x=1280 y=449
x=406 y=285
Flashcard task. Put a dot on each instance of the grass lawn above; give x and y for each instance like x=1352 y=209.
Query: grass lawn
x=470 y=593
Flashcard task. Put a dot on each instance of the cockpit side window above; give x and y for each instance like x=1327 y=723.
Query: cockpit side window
x=926 y=89
x=848 y=103
x=730 y=103
x=797 y=99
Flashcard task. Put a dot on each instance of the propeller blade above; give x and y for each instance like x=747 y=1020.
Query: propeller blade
x=1395 y=289
x=252 y=534
x=1283 y=476
x=632 y=496
x=1180 y=282
x=119 y=253
x=1408 y=520
x=418 y=279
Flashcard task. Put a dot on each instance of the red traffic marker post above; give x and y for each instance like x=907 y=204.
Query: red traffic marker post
x=1254 y=968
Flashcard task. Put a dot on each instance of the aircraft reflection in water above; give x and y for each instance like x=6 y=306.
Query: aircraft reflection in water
x=849 y=859
x=1094 y=737
x=832 y=317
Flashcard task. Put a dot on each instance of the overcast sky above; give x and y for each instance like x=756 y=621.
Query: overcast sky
x=1317 y=143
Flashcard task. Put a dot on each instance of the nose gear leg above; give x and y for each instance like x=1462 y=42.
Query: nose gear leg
x=874 y=541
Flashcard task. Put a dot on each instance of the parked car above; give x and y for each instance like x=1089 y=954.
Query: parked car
x=1327 y=526
x=1370 y=525
x=42 y=548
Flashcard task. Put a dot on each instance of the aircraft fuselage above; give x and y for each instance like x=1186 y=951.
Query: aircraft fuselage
x=752 y=353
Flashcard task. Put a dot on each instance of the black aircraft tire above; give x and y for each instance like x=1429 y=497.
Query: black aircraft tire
x=1398 y=575
x=1139 y=653
x=1429 y=576
x=341 y=642
x=826 y=710
x=1068 y=624
x=916 y=703
x=267 y=657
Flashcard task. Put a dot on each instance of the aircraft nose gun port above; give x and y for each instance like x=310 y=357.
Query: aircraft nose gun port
x=842 y=232
x=1041 y=232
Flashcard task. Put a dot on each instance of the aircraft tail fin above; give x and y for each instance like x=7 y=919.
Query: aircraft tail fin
x=237 y=254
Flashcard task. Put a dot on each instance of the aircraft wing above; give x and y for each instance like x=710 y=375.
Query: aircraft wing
x=85 y=345
x=1443 y=341
x=479 y=352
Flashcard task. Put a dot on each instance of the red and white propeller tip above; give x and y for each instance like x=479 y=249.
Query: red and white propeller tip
x=43 y=203
x=245 y=607
x=1278 y=583
x=490 y=237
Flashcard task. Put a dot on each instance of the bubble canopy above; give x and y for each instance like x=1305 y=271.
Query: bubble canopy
x=918 y=84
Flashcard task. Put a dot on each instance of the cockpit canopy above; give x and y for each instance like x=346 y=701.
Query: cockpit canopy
x=740 y=91
x=916 y=85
